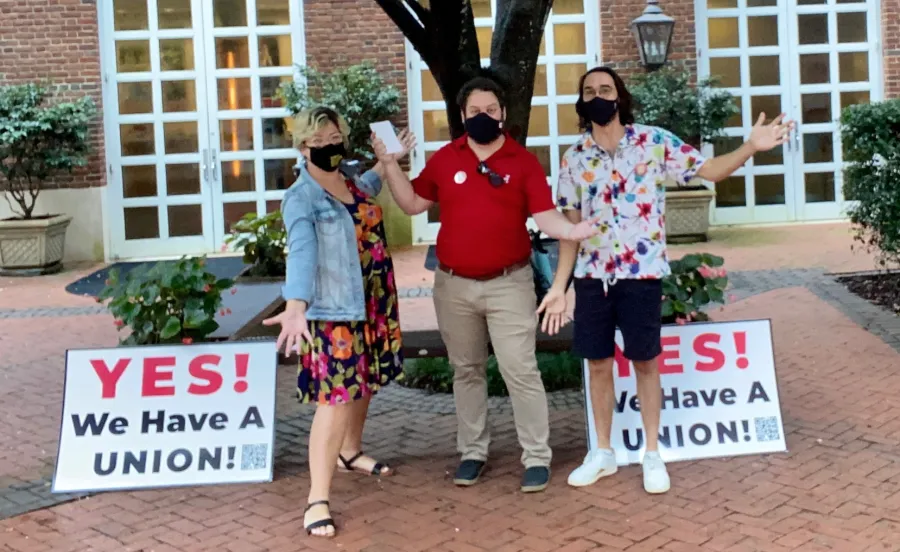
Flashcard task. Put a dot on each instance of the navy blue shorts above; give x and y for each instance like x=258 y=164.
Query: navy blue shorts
x=635 y=306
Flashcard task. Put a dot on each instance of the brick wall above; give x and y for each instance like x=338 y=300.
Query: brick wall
x=890 y=40
x=56 y=40
x=346 y=32
x=618 y=48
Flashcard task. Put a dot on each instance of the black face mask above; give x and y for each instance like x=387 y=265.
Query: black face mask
x=483 y=128
x=599 y=110
x=328 y=158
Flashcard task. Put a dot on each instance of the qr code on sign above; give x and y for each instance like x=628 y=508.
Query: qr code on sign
x=767 y=429
x=254 y=457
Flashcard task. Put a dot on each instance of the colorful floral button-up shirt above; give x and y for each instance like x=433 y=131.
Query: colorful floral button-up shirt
x=626 y=191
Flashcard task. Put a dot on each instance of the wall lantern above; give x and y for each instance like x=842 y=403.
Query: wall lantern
x=653 y=33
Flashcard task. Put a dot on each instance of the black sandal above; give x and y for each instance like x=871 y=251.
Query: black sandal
x=327 y=522
x=377 y=469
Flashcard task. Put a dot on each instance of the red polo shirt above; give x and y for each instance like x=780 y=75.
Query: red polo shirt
x=482 y=226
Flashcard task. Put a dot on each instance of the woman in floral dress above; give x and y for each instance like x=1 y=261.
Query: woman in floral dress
x=342 y=309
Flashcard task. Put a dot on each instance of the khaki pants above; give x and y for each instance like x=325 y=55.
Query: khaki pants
x=469 y=314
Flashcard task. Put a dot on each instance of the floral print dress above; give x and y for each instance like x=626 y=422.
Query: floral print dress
x=353 y=360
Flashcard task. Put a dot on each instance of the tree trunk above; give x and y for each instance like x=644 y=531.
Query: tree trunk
x=444 y=36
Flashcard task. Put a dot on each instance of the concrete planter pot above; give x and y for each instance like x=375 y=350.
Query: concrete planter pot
x=687 y=213
x=33 y=247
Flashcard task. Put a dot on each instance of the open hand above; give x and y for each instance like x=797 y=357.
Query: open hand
x=584 y=230
x=407 y=140
x=765 y=137
x=294 y=329
x=554 y=308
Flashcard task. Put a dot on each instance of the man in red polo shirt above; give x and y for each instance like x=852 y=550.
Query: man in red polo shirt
x=488 y=185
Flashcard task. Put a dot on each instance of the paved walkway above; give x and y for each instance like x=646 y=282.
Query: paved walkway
x=837 y=489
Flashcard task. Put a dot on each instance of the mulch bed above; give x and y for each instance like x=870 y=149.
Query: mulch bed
x=881 y=289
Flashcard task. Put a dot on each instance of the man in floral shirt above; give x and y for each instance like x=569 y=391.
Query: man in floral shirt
x=617 y=172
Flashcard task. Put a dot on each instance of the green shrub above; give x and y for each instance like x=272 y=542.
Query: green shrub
x=356 y=92
x=696 y=280
x=696 y=113
x=168 y=302
x=263 y=241
x=39 y=140
x=559 y=371
x=871 y=137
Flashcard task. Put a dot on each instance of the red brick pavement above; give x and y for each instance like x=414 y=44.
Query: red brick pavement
x=837 y=489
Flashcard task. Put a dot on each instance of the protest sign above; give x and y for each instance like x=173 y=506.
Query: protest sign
x=719 y=394
x=161 y=416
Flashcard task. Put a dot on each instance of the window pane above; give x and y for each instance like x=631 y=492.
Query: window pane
x=481 y=8
x=137 y=139
x=277 y=133
x=567 y=77
x=853 y=66
x=232 y=53
x=764 y=71
x=567 y=120
x=130 y=15
x=561 y=7
x=737 y=119
x=543 y=155
x=770 y=105
x=180 y=137
x=568 y=39
x=851 y=27
x=132 y=56
x=237 y=134
x=814 y=68
x=769 y=189
x=727 y=70
x=540 y=81
x=230 y=13
x=816 y=108
x=813 y=28
x=185 y=220
x=818 y=147
x=853 y=98
x=723 y=32
x=238 y=176
x=269 y=90
x=234 y=211
x=173 y=14
x=819 y=187
x=484 y=41
x=135 y=97
x=139 y=180
x=430 y=90
x=279 y=173
x=539 y=122
x=436 y=127
x=275 y=51
x=731 y=192
x=273 y=12
x=176 y=54
x=179 y=96
x=234 y=94
x=762 y=31
x=182 y=179
x=141 y=223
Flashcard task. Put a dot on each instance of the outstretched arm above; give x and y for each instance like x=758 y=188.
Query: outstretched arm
x=401 y=187
x=762 y=138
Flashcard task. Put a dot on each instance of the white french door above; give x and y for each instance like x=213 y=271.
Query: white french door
x=196 y=135
x=570 y=46
x=808 y=59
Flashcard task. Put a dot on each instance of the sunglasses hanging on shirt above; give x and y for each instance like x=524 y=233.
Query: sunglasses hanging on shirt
x=495 y=179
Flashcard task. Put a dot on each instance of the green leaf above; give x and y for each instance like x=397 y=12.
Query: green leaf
x=172 y=328
x=668 y=308
x=691 y=262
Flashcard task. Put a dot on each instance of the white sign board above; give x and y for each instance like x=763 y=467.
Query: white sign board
x=720 y=395
x=169 y=415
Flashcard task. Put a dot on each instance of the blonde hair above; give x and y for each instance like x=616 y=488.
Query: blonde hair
x=310 y=121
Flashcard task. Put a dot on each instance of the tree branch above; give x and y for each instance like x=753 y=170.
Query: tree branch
x=411 y=28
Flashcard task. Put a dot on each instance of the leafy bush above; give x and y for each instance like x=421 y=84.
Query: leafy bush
x=696 y=281
x=39 y=141
x=559 y=371
x=871 y=137
x=696 y=113
x=168 y=302
x=263 y=240
x=357 y=92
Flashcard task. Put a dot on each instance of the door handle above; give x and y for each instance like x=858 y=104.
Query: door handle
x=204 y=165
x=215 y=166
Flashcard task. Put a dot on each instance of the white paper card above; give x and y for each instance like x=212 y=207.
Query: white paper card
x=384 y=130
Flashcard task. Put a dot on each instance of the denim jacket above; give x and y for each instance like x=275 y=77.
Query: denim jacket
x=323 y=257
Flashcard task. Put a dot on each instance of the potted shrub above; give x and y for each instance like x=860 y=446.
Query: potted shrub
x=696 y=113
x=263 y=241
x=696 y=281
x=38 y=140
x=166 y=302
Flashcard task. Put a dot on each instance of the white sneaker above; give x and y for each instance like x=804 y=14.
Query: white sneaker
x=656 y=478
x=598 y=463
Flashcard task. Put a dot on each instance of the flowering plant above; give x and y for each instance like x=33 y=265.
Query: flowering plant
x=263 y=241
x=168 y=302
x=696 y=280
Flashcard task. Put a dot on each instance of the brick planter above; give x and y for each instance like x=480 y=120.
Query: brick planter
x=34 y=246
